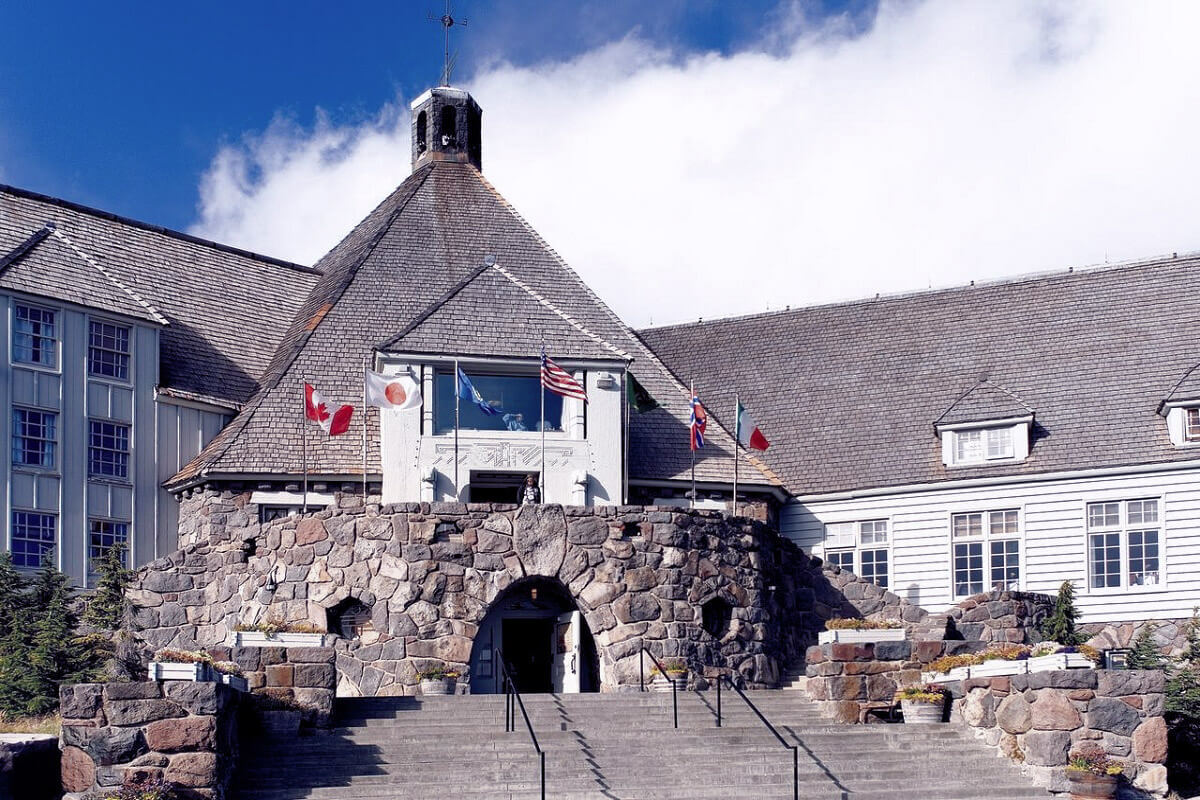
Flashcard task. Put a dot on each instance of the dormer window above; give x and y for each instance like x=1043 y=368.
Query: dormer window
x=1183 y=423
x=977 y=446
x=985 y=443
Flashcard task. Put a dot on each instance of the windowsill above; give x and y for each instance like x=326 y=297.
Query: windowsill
x=108 y=480
x=1186 y=443
x=519 y=435
x=1157 y=588
x=37 y=368
x=991 y=462
x=106 y=379
x=40 y=472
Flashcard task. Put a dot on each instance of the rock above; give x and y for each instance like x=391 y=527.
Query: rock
x=1150 y=741
x=1053 y=711
x=636 y=607
x=1110 y=714
x=140 y=690
x=78 y=770
x=978 y=709
x=139 y=712
x=1047 y=748
x=1120 y=682
x=106 y=745
x=599 y=593
x=80 y=701
x=1014 y=715
x=196 y=770
x=163 y=582
x=540 y=539
x=893 y=651
x=315 y=676
x=1152 y=779
x=310 y=531
x=640 y=579
x=588 y=531
x=190 y=733
x=199 y=697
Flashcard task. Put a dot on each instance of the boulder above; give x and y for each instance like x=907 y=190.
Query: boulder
x=1150 y=741
x=1047 y=748
x=80 y=700
x=78 y=770
x=195 y=770
x=1014 y=714
x=1053 y=711
x=540 y=538
x=1110 y=714
x=190 y=733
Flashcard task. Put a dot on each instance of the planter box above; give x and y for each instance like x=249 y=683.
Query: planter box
x=438 y=687
x=996 y=668
x=281 y=639
x=859 y=637
x=1060 y=661
x=935 y=677
x=234 y=682
x=661 y=684
x=179 y=671
x=917 y=713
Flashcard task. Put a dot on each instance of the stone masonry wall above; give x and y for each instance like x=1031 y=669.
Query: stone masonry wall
x=996 y=617
x=428 y=573
x=117 y=733
x=1039 y=718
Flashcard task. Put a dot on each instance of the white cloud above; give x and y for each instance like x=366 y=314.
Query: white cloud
x=952 y=141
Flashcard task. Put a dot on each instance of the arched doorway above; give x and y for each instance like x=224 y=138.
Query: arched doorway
x=544 y=637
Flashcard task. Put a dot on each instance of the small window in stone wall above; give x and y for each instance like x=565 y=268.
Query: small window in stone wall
x=350 y=619
x=715 y=616
x=268 y=513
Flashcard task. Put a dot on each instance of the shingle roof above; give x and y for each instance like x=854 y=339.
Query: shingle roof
x=847 y=393
x=430 y=235
x=225 y=309
x=982 y=402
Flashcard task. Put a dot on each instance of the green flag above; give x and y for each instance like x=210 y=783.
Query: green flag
x=639 y=399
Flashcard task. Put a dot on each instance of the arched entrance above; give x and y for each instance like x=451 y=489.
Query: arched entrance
x=541 y=632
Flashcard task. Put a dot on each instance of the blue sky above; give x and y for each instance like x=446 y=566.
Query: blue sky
x=124 y=106
x=688 y=159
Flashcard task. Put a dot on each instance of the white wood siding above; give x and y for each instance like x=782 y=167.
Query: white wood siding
x=1053 y=537
x=183 y=431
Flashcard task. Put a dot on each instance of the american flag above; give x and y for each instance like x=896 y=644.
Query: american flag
x=697 y=423
x=559 y=381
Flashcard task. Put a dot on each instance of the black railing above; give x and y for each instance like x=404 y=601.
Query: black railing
x=513 y=701
x=794 y=748
x=661 y=671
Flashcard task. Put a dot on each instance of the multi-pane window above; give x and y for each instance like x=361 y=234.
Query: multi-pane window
x=1191 y=425
x=984 y=444
x=33 y=437
x=108 y=449
x=108 y=350
x=34 y=338
x=33 y=535
x=1124 y=544
x=861 y=547
x=994 y=533
x=103 y=534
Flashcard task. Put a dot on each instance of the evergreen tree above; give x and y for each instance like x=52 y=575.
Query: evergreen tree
x=14 y=664
x=106 y=609
x=1145 y=653
x=1060 y=625
x=1191 y=633
x=55 y=655
x=13 y=601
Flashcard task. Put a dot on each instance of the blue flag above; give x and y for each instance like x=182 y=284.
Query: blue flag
x=468 y=392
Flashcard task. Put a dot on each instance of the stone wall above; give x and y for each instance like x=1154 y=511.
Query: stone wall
x=29 y=762
x=428 y=573
x=114 y=734
x=1169 y=634
x=996 y=617
x=1039 y=718
x=303 y=678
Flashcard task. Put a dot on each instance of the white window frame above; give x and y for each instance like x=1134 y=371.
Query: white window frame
x=1121 y=527
x=1177 y=423
x=1003 y=441
x=56 y=339
x=850 y=536
x=127 y=354
x=985 y=539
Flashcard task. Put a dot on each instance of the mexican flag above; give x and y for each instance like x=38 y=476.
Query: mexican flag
x=748 y=434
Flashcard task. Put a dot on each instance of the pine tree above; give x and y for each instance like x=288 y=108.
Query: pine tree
x=1145 y=653
x=13 y=601
x=55 y=655
x=1191 y=633
x=106 y=609
x=1060 y=625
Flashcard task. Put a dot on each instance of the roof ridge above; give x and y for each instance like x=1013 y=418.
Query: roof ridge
x=151 y=227
x=230 y=432
x=979 y=383
x=137 y=298
x=429 y=310
x=18 y=252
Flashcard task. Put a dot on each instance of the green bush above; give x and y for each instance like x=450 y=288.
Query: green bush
x=1145 y=653
x=1060 y=625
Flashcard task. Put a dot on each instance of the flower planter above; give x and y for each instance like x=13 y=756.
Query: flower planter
x=281 y=639
x=997 y=667
x=234 y=682
x=918 y=713
x=179 y=671
x=859 y=636
x=661 y=684
x=438 y=686
x=1060 y=661
x=1089 y=786
x=935 y=677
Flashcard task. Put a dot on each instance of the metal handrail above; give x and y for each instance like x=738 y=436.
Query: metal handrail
x=662 y=671
x=794 y=748
x=510 y=715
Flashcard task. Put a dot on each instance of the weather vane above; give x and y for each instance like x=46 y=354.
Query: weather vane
x=447 y=22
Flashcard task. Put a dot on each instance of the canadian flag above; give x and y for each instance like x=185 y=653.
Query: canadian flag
x=317 y=408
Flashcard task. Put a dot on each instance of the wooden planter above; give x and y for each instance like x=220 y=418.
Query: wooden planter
x=1060 y=661
x=434 y=687
x=663 y=684
x=918 y=713
x=234 y=681
x=1088 y=786
x=281 y=639
x=858 y=637
x=996 y=668
x=179 y=671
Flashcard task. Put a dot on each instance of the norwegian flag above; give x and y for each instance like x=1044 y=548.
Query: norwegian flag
x=559 y=381
x=317 y=408
x=697 y=423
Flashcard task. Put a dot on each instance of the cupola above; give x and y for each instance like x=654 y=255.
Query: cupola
x=446 y=125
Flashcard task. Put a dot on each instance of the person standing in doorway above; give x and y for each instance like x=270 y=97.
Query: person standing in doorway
x=530 y=493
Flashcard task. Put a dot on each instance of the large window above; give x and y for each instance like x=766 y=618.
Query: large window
x=987 y=551
x=108 y=350
x=102 y=535
x=516 y=398
x=33 y=438
x=1124 y=544
x=861 y=547
x=34 y=338
x=108 y=449
x=33 y=534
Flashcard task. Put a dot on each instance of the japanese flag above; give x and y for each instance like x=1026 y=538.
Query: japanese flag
x=334 y=419
x=392 y=391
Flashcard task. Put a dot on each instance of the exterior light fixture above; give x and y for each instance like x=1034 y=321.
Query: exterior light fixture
x=1117 y=658
x=533 y=593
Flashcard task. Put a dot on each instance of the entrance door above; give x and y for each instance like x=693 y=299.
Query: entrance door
x=568 y=656
x=526 y=648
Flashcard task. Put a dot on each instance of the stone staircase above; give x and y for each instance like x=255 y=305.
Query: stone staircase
x=618 y=746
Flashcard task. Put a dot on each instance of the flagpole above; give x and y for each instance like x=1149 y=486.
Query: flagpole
x=542 y=421
x=364 y=420
x=692 y=440
x=457 y=389
x=625 y=443
x=737 y=432
x=304 y=443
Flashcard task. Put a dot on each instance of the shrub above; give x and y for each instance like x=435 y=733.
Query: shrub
x=227 y=668
x=106 y=609
x=1060 y=625
x=673 y=666
x=183 y=656
x=1095 y=763
x=928 y=693
x=146 y=790
x=1145 y=653
x=855 y=624
x=436 y=673
x=947 y=663
x=271 y=626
